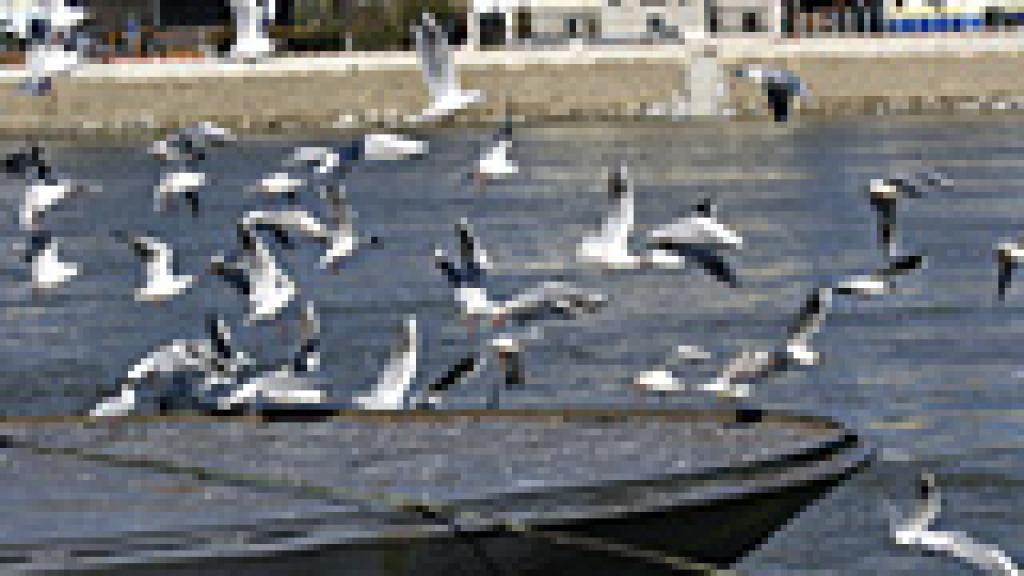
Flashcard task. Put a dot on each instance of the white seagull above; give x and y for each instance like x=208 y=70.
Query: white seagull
x=545 y=300
x=49 y=28
x=610 y=247
x=47 y=269
x=181 y=153
x=293 y=382
x=702 y=237
x=780 y=87
x=256 y=275
x=447 y=97
x=340 y=237
x=662 y=377
x=494 y=163
x=252 y=20
x=885 y=193
x=386 y=146
x=916 y=531
x=43 y=188
x=162 y=282
x=879 y=283
x=391 y=390
x=212 y=354
x=321 y=160
x=1008 y=256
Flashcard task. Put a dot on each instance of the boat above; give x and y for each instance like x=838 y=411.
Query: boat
x=538 y=491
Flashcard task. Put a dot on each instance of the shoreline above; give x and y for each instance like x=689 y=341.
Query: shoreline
x=308 y=95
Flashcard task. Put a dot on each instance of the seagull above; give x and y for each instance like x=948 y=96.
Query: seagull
x=338 y=234
x=701 y=237
x=885 y=193
x=162 y=282
x=494 y=163
x=446 y=96
x=916 y=531
x=320 y=160
x=610 y=247
x=181 y=152
x=256 y=275
x=252 y=20
x=49 y=31
x=506 y=348
x=43 y=194
x=662 y=378
x=214 y=353
x=29 y=164
x=1008 y=255
x=48 y=271
x=293 y=382
x=547 y=299
x=780 y=87
x=385 y=146
x=341 y=237
x=391 y=390
x=880 y=282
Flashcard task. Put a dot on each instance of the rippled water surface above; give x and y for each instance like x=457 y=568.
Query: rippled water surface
x=932 y=375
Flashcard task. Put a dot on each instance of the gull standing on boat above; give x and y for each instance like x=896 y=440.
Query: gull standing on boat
x=180 y=153
x=162 y=282
x=700 y=236
x=295 y=381
x=214 y=353
x=256 y=275
x=391 y=390
x=916 y=530
x=885 y=194
x=610 y=247
x=48 y=271
x=252 y=22
x=779 y=86
x=447 y=97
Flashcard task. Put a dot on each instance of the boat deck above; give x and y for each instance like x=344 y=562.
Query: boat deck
x=80 y=492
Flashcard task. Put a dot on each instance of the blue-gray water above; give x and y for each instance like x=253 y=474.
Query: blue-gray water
x=929 y=374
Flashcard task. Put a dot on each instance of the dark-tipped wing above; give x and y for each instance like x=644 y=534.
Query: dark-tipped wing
x=458 y=372
x=1005 y=275
x=902 y=265
x=714 y=264
x=808 y=320
x=883 y=215
x=472 y=255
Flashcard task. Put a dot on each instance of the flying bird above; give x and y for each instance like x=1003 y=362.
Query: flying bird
x=781 y=87
x=48 y=271
x=256 y=275
x=880 y=282
x=885 y=194
x=494 y=163
x=295 y=381
x=50 y=31
x=1008 y=256
x=214 y=353
x=610 y=247
x=916 y=531
x=701 y=237
x=546 y=300
x=162 y=281
x=447 y=97
x=181 y=153
x=391 y=390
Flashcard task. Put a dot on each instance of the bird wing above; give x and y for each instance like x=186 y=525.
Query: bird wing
x=811 y=315
x=1006 y=267
x=473 y=256
x=715 y=265
x=435 y=58
x=618 y=223
x=901 y=266
x=969 y=550
x=457 y=372
x=394 y=381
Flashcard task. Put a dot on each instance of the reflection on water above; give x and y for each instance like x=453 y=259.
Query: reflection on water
x=931 y=375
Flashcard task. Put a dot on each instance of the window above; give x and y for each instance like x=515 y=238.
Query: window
x=655 y=24
x=750 y=22
x=614 y=3
x=572 y=27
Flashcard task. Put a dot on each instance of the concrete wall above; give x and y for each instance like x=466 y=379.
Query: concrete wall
x=845 y=76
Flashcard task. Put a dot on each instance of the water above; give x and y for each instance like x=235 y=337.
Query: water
x=930 y=375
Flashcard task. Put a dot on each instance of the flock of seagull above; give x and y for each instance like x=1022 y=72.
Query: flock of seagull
x=219 y=377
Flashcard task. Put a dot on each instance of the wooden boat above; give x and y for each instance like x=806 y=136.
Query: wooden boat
x=444 y=492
